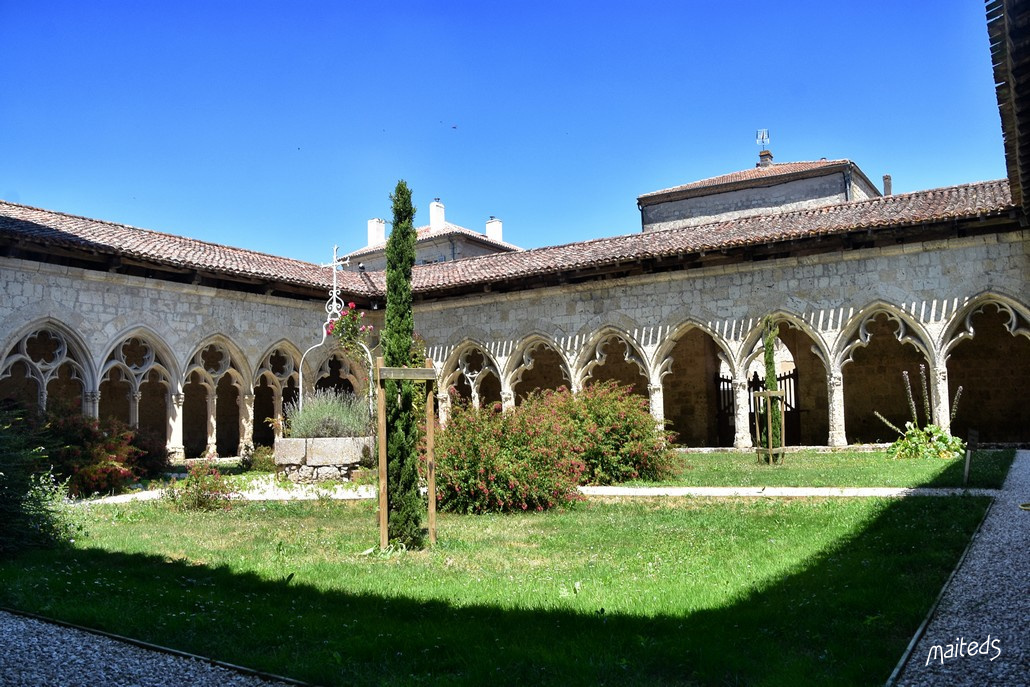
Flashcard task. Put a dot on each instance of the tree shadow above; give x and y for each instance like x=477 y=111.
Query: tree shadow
x=822 y=624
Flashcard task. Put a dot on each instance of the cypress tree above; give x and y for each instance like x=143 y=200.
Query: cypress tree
x=769 y=333
x=404 y=500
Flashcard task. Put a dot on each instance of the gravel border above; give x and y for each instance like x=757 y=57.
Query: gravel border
x=987 y=602
x=34 y=653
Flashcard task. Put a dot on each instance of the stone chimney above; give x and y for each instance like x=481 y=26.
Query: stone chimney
x=376 y=232
x=436 y=220
x=887 y=186
x=765 y=158
x=494 y=229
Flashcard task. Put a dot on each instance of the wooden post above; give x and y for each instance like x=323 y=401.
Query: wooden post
x=430 y=456
x=428 y=376
x=768 y=451
x=384 y=534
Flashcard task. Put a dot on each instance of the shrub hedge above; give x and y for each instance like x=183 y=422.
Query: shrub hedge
x=533 y=456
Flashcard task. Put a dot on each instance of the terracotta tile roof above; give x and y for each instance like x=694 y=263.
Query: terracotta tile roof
x=425 y=233
x=48 y=228
x=19 y=223
x=776 y=172
x=957 y=202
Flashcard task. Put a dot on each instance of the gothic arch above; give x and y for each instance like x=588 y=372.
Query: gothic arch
x=215 y=413
x=598 y=352
x=695 y=406
x=537 y=363
x=276 y=383
x=987 y=353
x=807 y=393
x=876 y=348
x=341 y=372
x=51 y=357
x=473 y=373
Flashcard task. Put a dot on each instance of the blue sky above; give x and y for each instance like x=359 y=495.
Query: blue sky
x=283 y=126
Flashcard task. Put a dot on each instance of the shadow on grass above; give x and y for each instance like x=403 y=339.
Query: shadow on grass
x=843 y=619
x=987 y=470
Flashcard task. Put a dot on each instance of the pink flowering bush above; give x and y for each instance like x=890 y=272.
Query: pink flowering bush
x=349 y=328
x=533 y=457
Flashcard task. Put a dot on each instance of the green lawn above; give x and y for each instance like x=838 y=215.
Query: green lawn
x=835 y=469
x=644 y=591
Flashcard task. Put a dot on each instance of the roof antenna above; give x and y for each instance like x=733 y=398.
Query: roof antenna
x=762 y=138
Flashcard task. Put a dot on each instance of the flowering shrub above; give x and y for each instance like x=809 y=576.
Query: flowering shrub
x=203 y=489
x=95 y=456
x=535 y=455
x=349 y=328
x=614 y=434
x=497 y=462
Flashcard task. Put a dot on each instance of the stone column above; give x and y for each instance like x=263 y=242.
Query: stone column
x=134 y=399
x=443 y=402
x=212 y=422
x=246 y=422
x=507 y=399
x=835 y=394
x=176 y=452
x=656 y=394
x=741 y=416
x=91 y=404
x=941 y=398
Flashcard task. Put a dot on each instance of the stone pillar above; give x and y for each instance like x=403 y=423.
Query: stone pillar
x=741 y=415
x=212 y=423
x=246 y=422
x=134 y=399
x=656 y=394
x=941 y=398
x=91 y=404
x=835 y=394
x=176 y=451
x=443 y=402
x=507 y=399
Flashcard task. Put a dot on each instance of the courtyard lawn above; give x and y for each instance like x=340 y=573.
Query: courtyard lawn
x=644 y=591
x=834 y=469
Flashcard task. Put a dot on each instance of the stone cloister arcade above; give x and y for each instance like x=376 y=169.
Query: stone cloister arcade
x=846 y=371
x=848 y=364
x=218 y=403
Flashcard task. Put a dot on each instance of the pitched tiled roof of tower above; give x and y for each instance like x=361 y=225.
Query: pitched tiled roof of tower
x=425 y=233
x=23 y=223
x=970 y=201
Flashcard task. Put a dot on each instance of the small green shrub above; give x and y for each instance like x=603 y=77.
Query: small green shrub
x=926 y=442
x=929 y=441
x=204 y=488
x=328 y=414
x=33 y=512
x=261 y=459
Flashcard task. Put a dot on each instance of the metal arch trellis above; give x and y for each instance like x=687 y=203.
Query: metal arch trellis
x=333 y=311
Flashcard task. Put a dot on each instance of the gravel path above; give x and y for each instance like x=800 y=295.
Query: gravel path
x=35 y=654
x=987 y=602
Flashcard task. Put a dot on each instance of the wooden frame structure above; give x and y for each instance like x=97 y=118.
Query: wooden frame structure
x=427 y=376
x=769 y=452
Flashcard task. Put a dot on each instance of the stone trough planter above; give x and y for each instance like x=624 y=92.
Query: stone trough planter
x=317 y=460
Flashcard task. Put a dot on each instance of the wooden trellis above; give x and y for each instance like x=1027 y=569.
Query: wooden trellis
x=427 y=376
